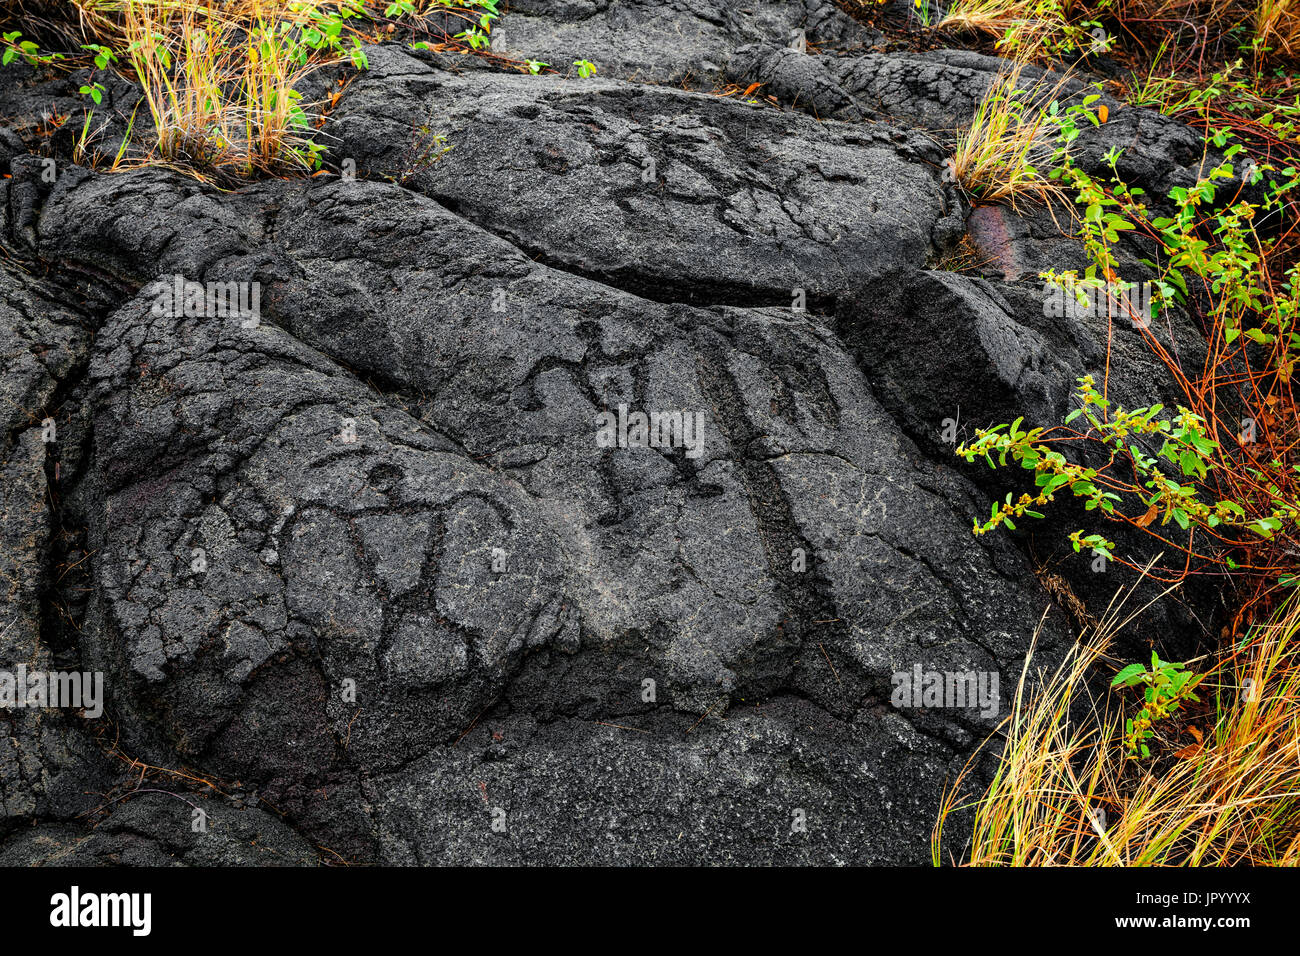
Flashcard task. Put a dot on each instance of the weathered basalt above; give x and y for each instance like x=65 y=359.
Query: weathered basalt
x=359 y=571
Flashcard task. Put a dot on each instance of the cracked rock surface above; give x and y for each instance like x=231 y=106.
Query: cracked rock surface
x=362 y=580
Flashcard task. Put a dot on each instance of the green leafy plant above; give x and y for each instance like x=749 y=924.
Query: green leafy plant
x=1165 y=686
x=1183 y=444
x=1195 y=467
x=16 y=48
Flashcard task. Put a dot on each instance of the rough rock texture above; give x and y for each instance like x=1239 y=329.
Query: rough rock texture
x=667 y=41
x=363 y=582
x=628 y=185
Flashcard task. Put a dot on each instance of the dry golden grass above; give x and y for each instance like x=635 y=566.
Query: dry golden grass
x=1005 y=153
x=1030 y=28
x=219 y=77
x=1277 y=28
x=1023 y=26
x=219 y=85
x=1065 y=793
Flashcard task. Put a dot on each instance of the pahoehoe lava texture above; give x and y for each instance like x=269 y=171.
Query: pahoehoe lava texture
x=394 y=479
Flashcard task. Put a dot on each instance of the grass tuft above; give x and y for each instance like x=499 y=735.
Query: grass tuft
x=1277 y=29
x=1020 y=26
x=220 y=77
x=1006 y=152
x=220 y=91
x=1224 y=790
